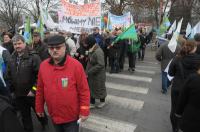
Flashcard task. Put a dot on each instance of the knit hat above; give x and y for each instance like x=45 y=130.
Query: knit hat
x=90 y=40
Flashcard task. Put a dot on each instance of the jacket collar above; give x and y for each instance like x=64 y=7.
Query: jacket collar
x=93 y=48
x=62 y=63
x=25 y=55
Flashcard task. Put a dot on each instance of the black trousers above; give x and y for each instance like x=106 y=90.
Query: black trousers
x=92 y=100
x=67 y=127
x=114 y=63
x=174 y=102
x=24 y=104
x=141 y=53
x=131 y=59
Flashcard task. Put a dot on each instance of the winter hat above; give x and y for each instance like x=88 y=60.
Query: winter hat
x=90 y=40
x=55 y=40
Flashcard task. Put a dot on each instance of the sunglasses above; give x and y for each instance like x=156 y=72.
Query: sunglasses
x=55 y=47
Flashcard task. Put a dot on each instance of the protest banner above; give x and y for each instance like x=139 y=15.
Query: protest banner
x=123 y=21
x=76 y=16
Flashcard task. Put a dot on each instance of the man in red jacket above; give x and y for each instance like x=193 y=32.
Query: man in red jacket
x=62 y=84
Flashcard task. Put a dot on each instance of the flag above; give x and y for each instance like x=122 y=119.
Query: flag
x=102 y=23
x=188 y=30
x=40 y=27
x=27 y=32
x=172 y=28
x=129 y=33
x=109 y=25
x=164 y=26
x=196 y=29
x=173 y=42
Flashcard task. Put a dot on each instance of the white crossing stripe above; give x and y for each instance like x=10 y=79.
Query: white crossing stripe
x=144 y=66
x=148 y=67
x=130 y=77
x=104 y=124
x=131 y=104
x=127 y=88
x=143 y=71
x=150 y=62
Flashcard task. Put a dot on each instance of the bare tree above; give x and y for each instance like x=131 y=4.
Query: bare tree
x=181 y=9
x=34 y=7
x=10 y=11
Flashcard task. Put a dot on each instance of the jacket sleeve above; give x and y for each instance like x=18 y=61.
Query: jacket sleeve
x=36 y=65
x=159 y=53
x=99 y=64
x=39 y=100
x=183 y=98
x=172 y=67
x=83 y=91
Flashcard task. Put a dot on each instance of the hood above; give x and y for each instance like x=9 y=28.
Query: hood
x=191 y=61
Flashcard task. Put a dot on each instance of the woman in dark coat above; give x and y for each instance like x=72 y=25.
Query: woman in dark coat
x=82 y=52
x=96 y=73
x=183 y=65
x=189 y=104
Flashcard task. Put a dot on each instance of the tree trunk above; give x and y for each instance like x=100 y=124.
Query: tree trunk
x=181 y=9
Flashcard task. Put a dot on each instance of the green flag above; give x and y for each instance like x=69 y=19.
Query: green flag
x=40 y=27
x=164 y=26
x=129 y=33
x=27 y=31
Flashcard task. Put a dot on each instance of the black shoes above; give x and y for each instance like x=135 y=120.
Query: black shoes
x=131 y=69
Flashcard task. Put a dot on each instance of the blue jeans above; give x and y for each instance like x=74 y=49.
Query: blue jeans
x=165 y=81
x=67 y=127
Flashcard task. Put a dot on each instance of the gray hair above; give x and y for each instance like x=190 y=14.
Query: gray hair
x=17 y=38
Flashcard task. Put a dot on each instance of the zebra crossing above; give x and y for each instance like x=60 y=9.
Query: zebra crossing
x=108 y=119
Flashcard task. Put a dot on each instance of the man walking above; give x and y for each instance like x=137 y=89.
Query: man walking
x=22 y=74
x=62 y=84
x=164 y=55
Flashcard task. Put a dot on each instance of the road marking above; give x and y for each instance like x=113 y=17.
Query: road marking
x=143 y=71
x=127 y=88
x=130 y=77
x=143 y=66
x=150 y=62
x=104 y=124
x=148 y=67
x=131 y=104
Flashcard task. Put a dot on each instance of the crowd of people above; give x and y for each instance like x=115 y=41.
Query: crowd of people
x=184 y=66
x=62 y=72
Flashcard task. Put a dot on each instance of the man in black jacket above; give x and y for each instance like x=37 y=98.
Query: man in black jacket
x=22 y=74
x=39 y=46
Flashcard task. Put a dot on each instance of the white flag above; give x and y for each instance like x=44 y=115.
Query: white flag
x=172 y=28
x=195 y=30
x=173 y=42
x=188 y=30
